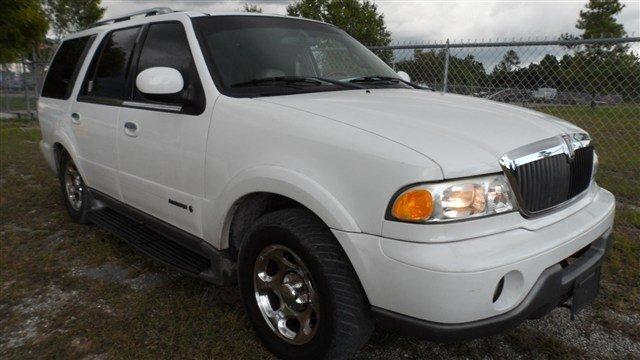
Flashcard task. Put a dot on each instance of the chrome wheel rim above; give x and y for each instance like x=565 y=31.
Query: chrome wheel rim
x=73 y=186
x=285 y=294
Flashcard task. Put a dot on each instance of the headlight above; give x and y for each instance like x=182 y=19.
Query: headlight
x=453 y=200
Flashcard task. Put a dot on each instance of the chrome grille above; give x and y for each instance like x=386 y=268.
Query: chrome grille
x=553 y=180
x=549 y=173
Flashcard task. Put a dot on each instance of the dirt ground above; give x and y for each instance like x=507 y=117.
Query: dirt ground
x=72 y=291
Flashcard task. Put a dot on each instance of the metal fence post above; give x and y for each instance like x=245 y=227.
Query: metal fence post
x=445 y=80
x=23 y=78
x=35 y=74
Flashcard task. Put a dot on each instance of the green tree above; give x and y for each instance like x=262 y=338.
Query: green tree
x=504 y=74
x=23 y=26
x=547 y=74
x=599 y=19
x=602 y=68
x=427 y=67
x=251 y=8
x=510 y=61
x=68 y=16
x=359 y=18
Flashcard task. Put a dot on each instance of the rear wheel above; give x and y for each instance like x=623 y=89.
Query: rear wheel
x=74 y=192
x=299 y=289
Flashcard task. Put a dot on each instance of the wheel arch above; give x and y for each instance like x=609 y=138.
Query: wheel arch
x=63 y=144
x=58 y=151
x=240 y=218
x=272 y=187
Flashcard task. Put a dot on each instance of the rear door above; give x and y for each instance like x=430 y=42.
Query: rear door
x=162 y=139
x=54 y=103
x=95 y=114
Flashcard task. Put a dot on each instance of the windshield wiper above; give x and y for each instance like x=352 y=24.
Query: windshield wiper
x=294 y=80
x=383 y=80
x=375 y=79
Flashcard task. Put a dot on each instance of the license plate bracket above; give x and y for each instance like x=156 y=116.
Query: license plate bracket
x=585 y=290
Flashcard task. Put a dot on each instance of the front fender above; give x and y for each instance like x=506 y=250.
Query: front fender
x=281 y=181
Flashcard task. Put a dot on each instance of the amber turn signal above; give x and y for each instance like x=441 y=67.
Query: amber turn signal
x=413 y=205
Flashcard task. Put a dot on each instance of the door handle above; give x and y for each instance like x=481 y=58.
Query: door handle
x=75 y=118
x=131 y=129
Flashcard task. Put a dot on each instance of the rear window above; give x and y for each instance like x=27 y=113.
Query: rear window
x=64 y=68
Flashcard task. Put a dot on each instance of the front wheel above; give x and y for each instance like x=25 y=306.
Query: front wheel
x=299 y=289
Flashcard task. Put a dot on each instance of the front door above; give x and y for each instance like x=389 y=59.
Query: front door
x=162 y=138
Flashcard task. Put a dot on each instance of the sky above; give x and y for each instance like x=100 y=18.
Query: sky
x=429 y=21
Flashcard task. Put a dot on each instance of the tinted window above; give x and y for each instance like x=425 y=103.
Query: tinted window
x=166 y=45
x=243 y=49
x=109 y=73
x=64 y=68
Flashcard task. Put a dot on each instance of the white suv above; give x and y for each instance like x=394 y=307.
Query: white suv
x=281 y=153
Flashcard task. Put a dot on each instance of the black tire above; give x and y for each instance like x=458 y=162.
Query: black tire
x=345 y=322
x=79 y=215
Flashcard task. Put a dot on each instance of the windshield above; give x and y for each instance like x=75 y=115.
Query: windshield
x=261 y=55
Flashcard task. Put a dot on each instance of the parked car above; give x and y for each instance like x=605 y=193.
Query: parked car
x=512 y=96
x=336 y=194
x=568 y=98
x=545 y=94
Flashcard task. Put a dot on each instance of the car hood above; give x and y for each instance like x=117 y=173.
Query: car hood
x=464 y=135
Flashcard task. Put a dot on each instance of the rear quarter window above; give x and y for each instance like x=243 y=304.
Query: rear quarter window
x=65 y=66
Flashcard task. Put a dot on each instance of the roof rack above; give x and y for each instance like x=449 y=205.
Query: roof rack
x=147 y=12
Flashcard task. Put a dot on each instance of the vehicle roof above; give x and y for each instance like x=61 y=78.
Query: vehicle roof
x=171 y=16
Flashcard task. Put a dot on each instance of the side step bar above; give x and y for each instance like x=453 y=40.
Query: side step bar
x=162 y=241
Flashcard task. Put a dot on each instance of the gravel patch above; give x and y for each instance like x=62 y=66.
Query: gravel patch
x=107 y=272
x=35 y=312
x=116 y=274
x=52 y=241
x=628 y=319
x=96 y=357
x=585 y=334
x=147 y=281
x=15 y=228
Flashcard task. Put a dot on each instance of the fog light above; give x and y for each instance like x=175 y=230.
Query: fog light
x=498 y=291
x=508 y=291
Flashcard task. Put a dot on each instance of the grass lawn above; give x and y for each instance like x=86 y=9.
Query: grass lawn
x=15 y=103
x=74 y=291
x=616 y=134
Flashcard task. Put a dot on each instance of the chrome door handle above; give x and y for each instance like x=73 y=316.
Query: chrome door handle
x=75 y=118
x=131 y=129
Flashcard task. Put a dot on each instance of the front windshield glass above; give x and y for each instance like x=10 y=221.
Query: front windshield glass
x=261 y=55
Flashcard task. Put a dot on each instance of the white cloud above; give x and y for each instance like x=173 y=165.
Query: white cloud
x=427 y=20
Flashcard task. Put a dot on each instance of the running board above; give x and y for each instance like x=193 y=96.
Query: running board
x=163 y=242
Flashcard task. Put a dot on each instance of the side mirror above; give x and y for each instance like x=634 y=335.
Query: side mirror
x=159 y=81
x=404 y=76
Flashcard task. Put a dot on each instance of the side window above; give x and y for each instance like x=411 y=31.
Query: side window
x=107 y=76
x=65 y=66
x=166 y=45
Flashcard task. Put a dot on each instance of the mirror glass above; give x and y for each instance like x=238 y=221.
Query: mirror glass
x=159 y=81
x=404 y=76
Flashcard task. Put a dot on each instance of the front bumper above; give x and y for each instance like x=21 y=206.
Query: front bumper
x=452 y=283
x=555 y=285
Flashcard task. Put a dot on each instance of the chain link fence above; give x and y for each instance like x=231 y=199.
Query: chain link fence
x=593 y=83
x=20 y=85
